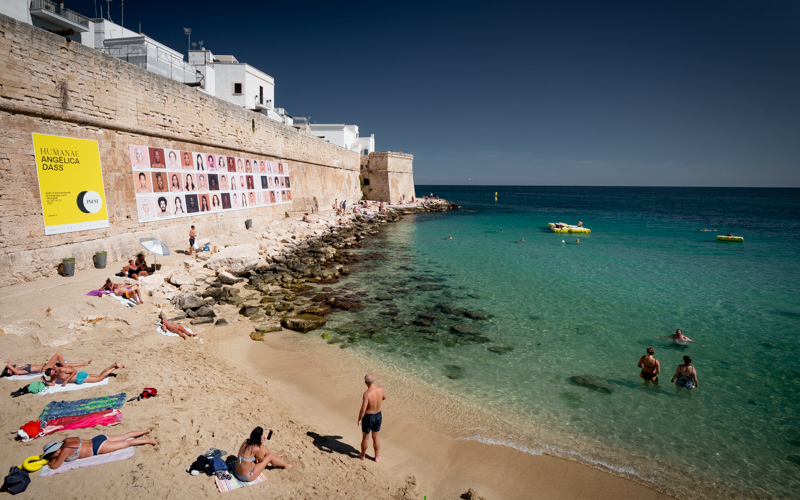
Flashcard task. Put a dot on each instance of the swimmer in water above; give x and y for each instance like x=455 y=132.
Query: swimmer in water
x=449 y=237
x=521 y=240
x=679 y=338
x=577 y=240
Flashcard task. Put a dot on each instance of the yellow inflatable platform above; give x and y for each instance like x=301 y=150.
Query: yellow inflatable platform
x=568 y=228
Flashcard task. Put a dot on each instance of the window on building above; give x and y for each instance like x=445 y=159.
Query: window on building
x=237 y=89
x=366 y=182
x=261 y=95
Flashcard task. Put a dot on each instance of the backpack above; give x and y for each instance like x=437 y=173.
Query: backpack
x=16 y=481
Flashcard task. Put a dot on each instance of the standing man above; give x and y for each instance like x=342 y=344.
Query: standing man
x=369 y=417
x=192 y=236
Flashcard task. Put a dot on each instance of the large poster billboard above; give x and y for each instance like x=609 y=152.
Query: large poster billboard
x=173 y=183
x=70 y=184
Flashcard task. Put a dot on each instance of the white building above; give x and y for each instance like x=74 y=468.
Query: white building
x=104 y=36
x=50 y=16
x=238 y=83
x=345 y=136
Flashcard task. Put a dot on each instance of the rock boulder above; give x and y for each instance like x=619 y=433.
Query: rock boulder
x=239 y=258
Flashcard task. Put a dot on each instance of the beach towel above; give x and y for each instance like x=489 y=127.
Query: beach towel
x=108 y=417
x=27 y=376
x=38 y=428
x=98 y=293
x=52 y=389
x=114 y=456
x=160 y=330
x=56 y=409
x=122 y=300
x=231 y=484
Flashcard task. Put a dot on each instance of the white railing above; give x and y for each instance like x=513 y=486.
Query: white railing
x=67 y=14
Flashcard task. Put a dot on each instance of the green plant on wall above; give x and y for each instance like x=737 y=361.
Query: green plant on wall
x=253 y=123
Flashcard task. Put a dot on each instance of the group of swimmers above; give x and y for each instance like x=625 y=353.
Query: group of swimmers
x=685 y=374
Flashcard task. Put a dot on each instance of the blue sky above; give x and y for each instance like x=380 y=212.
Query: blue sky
x=656 y=93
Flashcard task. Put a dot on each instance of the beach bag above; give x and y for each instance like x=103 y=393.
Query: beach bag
x=16 y=481
x=31 y=430
x=147 y=393
x=36 y=387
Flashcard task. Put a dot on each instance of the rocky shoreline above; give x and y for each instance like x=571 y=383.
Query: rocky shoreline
x=273 y=284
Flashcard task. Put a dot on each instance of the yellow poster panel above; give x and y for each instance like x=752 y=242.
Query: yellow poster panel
x=70 y=184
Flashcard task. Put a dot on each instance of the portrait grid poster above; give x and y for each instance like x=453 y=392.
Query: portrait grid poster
x=174 y=183
x=70 y=184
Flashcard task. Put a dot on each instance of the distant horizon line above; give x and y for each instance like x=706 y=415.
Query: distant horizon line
x=607 y=186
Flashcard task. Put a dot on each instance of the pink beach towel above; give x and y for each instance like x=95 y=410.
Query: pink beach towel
x=114 y=456
x=231 y=484
x=112 y=417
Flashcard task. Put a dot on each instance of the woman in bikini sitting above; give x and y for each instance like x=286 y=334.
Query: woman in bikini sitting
x=650 y=366
x=73 y=448
x=57 y=360
x=127 y=291
x=181 y=330
x=686 y=374
x=133 y=271
x=254 y=457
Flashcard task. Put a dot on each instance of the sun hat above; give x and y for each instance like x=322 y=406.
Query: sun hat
x=52 y=447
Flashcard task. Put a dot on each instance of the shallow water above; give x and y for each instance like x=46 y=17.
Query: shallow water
x=566 y=309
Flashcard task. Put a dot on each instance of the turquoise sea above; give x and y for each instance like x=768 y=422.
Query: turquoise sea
x=561 y=309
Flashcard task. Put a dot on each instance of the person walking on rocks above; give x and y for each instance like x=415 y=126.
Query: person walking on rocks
x=192 y=236
x=370 y=418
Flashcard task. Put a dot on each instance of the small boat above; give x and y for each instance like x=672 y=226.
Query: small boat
x=567 y=228
x=730 y=238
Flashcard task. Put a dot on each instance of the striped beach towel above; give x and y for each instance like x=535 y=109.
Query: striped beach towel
x=56 y=409
x=114 y=456
x=231 y=484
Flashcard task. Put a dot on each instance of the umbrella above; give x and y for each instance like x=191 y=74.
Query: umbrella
x=154 y=246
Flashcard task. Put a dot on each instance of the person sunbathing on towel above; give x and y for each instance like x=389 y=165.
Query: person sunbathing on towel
x=73 y=448
x=181 y=330
x=65 y=375
x=254 y=457
x=57 y=360
x=128 y=291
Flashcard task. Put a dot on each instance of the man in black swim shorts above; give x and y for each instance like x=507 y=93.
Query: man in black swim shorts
x=369 y=417
x=192 y=236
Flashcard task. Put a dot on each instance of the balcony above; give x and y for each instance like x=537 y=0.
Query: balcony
x=58 y=16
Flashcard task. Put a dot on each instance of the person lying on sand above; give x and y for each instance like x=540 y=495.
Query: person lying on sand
x=128 y=291
x=679 y=338
x=57 y=360
x=65 y=375
x=73 y=448
x=254 y=457
x=181 y=330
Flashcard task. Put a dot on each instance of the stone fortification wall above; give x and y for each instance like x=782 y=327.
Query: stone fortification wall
x=49 y=85
x=387 y=175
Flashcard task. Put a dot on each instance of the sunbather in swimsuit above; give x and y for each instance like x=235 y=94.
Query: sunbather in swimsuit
x=59 y=453
x=247 y=477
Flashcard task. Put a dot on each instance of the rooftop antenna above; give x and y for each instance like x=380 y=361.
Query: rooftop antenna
x=194 y=45
x=108 y=10
x=122 y=22
x=95 y=9
x=200 y=43
x=188 y=32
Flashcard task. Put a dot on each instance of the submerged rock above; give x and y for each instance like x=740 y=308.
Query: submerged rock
x=500 y=349
x=453 y=372
x=592 y=382
x=477 y=314
x=303 y=323
x=429 y=288
x=464 y=329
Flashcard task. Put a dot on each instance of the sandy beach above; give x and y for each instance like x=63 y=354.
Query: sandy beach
x=214 y=389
